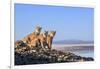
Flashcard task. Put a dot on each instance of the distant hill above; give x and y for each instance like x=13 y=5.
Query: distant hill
x=73 y=42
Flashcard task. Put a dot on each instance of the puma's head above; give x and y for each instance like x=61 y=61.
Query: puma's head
x=38 y=30
x=45 y=33
x=52 y=33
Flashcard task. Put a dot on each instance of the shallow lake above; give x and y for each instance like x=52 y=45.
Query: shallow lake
x=84 y=51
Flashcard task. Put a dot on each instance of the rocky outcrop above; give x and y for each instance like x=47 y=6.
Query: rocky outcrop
x=25 y=55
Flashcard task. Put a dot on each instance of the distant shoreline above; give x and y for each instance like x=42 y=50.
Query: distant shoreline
x=70 y=45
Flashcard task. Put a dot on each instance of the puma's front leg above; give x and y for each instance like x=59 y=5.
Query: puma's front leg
x=42 y=45
x=49 y=45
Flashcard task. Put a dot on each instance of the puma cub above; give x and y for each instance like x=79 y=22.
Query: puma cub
x=43 y=39
x=46 y=39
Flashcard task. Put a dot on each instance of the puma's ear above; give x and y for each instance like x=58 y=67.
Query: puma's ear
x=38 y=27
x=46 y=31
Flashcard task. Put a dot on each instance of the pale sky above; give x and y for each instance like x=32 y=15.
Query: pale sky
x=69 y=22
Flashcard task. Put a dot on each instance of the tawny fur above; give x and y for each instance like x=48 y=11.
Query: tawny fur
x=43 y=39
x=32 y=39
x=50 y=38
x=38 y=39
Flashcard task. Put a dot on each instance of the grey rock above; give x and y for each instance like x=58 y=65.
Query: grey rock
x=25 y=55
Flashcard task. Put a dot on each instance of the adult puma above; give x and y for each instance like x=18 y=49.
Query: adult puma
x=50 y=37
x=32 y=39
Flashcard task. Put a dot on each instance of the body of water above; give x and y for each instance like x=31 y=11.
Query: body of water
x=85 y=51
